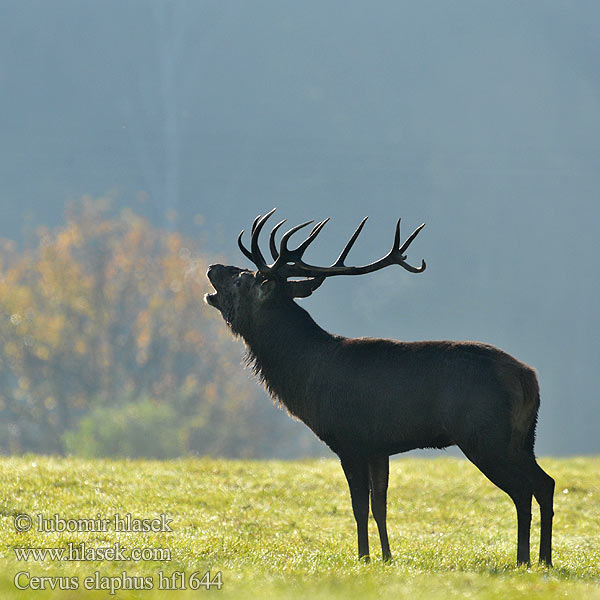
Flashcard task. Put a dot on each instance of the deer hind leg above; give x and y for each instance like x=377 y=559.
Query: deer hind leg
x=543 y=490
x=357 y=474
x=513 y=479
x=379 y=468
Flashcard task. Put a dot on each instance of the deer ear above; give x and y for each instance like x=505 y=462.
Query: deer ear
x=304 y=287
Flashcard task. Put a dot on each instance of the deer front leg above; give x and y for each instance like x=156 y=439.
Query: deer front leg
x=357 y=473
x=379 y=468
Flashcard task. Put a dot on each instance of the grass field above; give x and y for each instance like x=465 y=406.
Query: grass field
x=285 y=530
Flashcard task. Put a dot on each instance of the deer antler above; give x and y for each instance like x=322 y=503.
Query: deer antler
x=289 y=263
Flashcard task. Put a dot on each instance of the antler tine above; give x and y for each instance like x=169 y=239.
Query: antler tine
x=410 y=238
x=396 y=246
x=273 y=248
x=255 y=222
x=285 y=254
x=342 y=257
x=414 y=269
x=309 y=240
x=251 y=255
x=257 y=258
x=300 y=250
x=243 y=248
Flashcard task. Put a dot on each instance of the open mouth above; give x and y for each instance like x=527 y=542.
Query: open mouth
x=212 y=298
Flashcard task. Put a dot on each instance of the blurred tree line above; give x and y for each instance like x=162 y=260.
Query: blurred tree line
x=107 y=348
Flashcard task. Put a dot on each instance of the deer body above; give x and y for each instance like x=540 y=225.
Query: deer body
x=370 y=398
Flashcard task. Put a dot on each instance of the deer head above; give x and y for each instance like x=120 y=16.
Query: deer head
x=240 y=293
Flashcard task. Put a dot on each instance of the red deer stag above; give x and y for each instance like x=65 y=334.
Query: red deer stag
x=370 y=398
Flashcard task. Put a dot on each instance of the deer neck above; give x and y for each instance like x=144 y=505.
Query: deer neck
x=285 y=352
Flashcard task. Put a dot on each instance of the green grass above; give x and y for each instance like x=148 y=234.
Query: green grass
x=285 y=529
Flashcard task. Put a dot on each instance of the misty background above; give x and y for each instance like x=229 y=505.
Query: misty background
x=481 y=119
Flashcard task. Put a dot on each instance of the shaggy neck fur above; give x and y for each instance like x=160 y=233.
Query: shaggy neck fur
x=285 y=349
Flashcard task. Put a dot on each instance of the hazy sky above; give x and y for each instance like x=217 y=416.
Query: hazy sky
x=480 y=118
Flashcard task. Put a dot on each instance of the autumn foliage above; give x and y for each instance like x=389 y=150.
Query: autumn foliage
x=106 y=347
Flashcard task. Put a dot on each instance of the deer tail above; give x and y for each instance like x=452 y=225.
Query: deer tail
x=525 y=413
